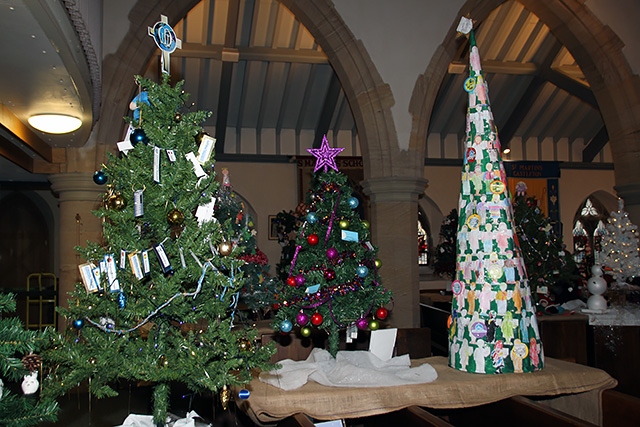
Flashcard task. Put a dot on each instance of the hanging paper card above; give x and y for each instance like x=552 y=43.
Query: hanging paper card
x=136 y=265
x=114 y=284
x=312 y=289
x=88 y=278
x=123 y=259
x=349 y=236
x=125 y=145
x=156 y=164
x=163 y=259
x=197 y=168
x=138 y=203
x=171 y=155
x=207 y=145
x=146 y=268
x=369 y=245
x=204 y=213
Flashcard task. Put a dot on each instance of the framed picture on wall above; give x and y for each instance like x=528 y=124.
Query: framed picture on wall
x=273 y=228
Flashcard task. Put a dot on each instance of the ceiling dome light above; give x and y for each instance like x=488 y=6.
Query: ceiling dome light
x=55 y=123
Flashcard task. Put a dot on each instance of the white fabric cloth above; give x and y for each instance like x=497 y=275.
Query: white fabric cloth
x=348 y=369
x=134 y=420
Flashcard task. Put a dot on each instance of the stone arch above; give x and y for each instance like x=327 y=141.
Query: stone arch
x=369 y=97
x=595 y=48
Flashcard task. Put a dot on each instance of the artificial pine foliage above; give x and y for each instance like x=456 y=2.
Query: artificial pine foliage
x=19 y=350
x=287 y=224
x=333 y=281
x=445 y=256
x=553 y=274
x=172 y=322
x=620 y=248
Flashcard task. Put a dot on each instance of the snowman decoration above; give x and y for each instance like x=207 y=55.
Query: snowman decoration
x=30 y=383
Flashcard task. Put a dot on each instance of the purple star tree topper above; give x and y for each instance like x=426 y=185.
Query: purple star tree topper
x=325 y=155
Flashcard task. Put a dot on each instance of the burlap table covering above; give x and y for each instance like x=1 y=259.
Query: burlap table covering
x=577 y=388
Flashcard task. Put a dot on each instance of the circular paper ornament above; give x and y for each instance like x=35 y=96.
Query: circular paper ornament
x=286 y=326
x=362 y=271
x=312 y=239
x=456 y=287
x=473 y=222
x=175 y=217
x=353 y=202
x=495 y=271
x=317 y=319
x=479 y=329
x=470 y=84
x=305 y=332
x=497 y=187
x=100 y=178
x=374 y=325
x=137 y=136
x=471 y=154
x=302 y=318
x=382 y=313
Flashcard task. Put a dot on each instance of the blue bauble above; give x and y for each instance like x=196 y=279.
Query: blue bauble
x=100 y=178
x=78 y=323
x=244 y=394
x=286 y=326
x=122 y=300
x=353 y=202
x=312 y=217
x=362 y=271
x=138 y=135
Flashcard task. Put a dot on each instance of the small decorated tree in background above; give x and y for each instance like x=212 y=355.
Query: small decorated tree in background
x=258 y=289
x=19 y=362
x=159 y=292
x=445 y=256
x=287 y=224
x=553 y=274
x=620 y=248
x=333 y=282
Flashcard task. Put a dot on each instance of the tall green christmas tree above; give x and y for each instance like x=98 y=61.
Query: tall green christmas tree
x=333 y=281
x=553 y=274
x=19 y=362
x=159 y=292
x=492 y=327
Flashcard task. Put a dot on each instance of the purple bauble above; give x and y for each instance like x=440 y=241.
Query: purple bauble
x=300 y=280
x=362 y=323
x=302 y=318
x=332 y=254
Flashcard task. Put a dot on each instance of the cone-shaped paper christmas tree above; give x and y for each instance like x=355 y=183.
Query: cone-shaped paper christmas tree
x=493 y=327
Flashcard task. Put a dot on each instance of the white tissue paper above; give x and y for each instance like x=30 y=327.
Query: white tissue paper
x=348 y=369
x=134 y=420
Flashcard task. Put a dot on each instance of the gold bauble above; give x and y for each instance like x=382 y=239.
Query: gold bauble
x=365 y=224
x=225 y=397
x=343 y=224
x=378 y=263
x=116 y=202
x=244 y=345
x=225 y=248
x=175 y=217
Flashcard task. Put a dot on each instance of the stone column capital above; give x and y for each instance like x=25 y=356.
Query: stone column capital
x=75 y=186
x=394 y=188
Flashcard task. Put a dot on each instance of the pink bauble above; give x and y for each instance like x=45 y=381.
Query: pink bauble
x=329 y=274
x=362 y=323
x=299 y=279
x=302 y=318
x=332 y=254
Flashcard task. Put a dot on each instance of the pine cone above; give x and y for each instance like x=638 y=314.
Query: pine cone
x=31 y=362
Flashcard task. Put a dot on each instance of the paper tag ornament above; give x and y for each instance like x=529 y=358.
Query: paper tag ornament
x=30 y=383
x=207 y=145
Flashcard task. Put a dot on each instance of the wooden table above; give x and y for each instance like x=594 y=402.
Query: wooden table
x=572 y=388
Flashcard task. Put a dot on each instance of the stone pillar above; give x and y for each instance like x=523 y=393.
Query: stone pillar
x=394 y=229
x=78 y=197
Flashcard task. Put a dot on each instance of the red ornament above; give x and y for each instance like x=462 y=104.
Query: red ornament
x=382 y=313
x=291 y=281
x=316 y=319
x=329 y=274
x=313 y=239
